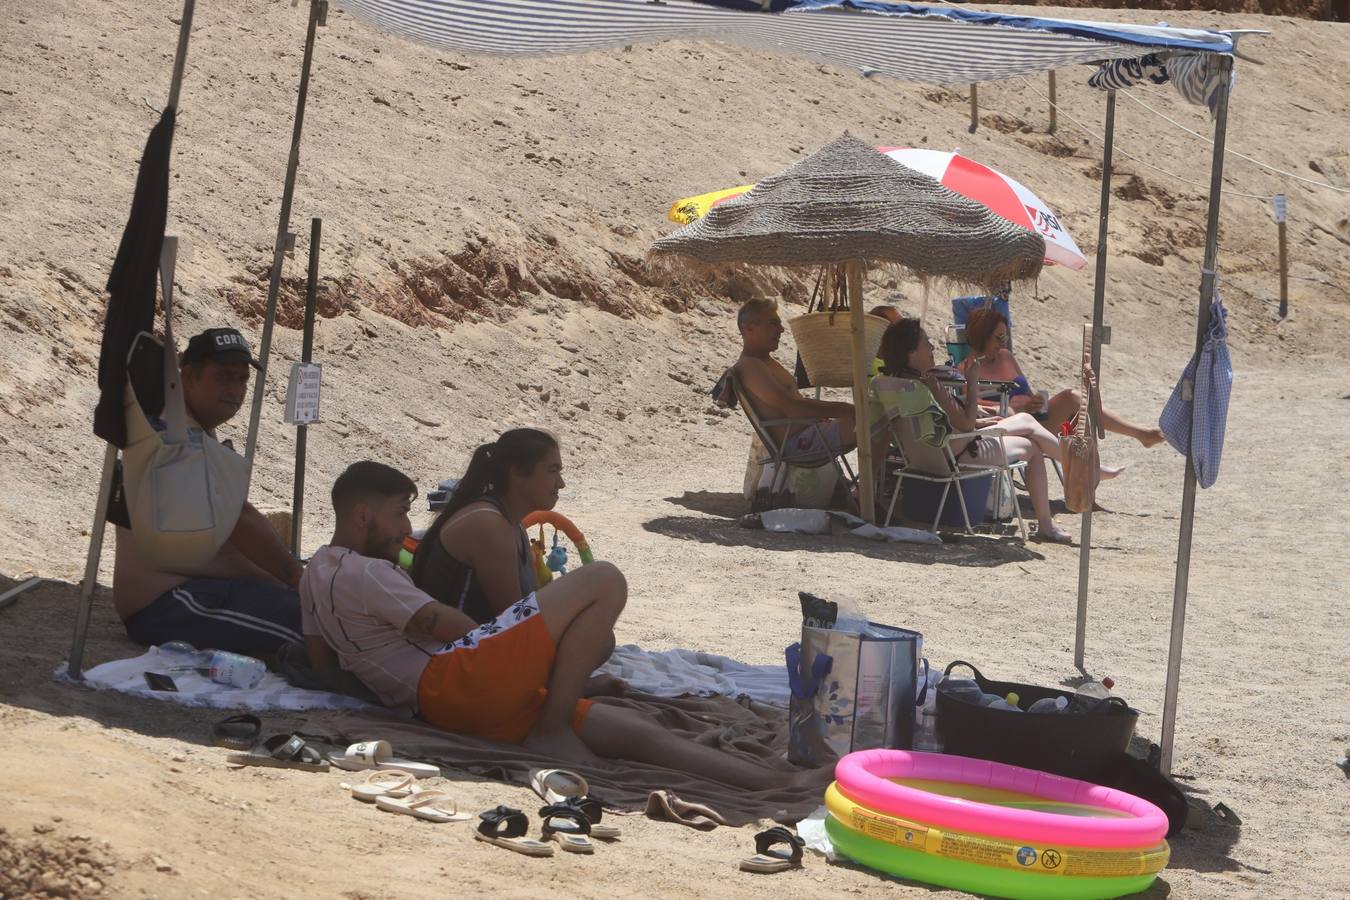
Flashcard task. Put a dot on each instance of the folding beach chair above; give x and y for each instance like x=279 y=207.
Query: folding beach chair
x=921 y=435
x=781 y=456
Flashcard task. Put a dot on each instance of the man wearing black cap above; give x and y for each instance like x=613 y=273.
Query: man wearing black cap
x=245 y=599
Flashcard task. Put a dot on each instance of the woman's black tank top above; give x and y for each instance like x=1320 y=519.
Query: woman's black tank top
x=454 y=583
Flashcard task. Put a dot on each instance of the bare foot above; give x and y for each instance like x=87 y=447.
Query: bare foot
x=605 y=686
x=1108 y=473
x=1052 y=534
x=1152 y=437
x=563 y=746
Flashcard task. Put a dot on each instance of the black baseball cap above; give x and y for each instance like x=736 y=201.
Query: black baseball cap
x=220 y=344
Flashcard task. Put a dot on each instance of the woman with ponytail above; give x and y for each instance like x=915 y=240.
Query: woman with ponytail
x=475 y=556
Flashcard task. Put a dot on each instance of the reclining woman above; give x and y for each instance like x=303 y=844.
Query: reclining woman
x=907 y=352
x=987 y=334
x=476 y=557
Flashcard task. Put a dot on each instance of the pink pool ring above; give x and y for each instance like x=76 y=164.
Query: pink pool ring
x=864 y=777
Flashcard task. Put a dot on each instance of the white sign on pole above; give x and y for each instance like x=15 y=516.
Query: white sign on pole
x=302 y=394
x=1280 y=204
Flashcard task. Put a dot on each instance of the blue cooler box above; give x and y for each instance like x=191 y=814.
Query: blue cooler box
x=919 y=501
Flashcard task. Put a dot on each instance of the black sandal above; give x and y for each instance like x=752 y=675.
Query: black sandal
x=282 y=751
x=571 y=837
x=236 y=732
x=594 y=813
x=505 y=827
x=765 y=861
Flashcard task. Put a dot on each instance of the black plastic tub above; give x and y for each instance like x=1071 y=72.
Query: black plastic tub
x=1076 y=745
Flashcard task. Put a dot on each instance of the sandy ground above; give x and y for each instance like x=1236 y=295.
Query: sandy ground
x=483 y=228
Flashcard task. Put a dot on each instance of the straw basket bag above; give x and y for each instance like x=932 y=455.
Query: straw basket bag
x=825 y=342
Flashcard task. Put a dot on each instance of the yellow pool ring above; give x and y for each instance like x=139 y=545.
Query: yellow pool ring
x=996 y=852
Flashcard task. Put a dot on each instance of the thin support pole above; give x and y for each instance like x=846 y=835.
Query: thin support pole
x=1284 y=270
x=86 y=601
x=974 y=108
x=1054 y=110
x=84 y=606
x=1208 y=277
x=1098 y=313
x=283 y=238
x=862 y=363
x=306 y=352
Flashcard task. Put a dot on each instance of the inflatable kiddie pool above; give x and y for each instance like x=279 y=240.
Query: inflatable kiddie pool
x=993 y=829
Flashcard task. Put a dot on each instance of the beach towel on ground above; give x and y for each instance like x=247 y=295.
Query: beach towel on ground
x=127 y=676
x=744 y=728
x=676 y=673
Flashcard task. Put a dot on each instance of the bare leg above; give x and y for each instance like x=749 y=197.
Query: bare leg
x=1037 y=484
x=1065 y=404
x=626 y=734
x=1025 y=425
x=579 y=611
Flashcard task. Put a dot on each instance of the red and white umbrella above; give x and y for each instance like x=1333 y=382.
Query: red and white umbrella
x=1005 y=196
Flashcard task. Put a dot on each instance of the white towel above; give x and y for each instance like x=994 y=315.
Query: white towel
x=127 y=676
x=681 y=673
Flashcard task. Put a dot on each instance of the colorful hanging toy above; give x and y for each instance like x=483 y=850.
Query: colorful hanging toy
x=553 y=561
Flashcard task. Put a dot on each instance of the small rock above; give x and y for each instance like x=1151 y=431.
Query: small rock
x=428 y=421
x=570 y=348
x=546 y=396
x=583 y=406
x=160 y=865
x=44 y=828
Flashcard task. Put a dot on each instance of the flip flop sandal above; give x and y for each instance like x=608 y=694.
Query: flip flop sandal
x=571 y=836
x=432 y=805
x=379 y=755
x=236 y=732
x=281 y=751
x=590 y=807
x=382 y=783
x=559 y=786
x=504 y=827
x=767 y=860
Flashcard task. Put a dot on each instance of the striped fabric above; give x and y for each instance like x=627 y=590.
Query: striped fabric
x=1118 y=74
x=934 y=45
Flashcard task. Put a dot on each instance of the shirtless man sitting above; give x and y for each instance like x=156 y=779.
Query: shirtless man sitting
x=245 y=598
x=774 y=392
x=517 y=679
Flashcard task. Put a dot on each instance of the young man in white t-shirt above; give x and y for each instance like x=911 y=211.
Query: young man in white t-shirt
x=516 y=679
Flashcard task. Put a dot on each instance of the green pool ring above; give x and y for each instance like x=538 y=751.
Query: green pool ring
x=972 y=878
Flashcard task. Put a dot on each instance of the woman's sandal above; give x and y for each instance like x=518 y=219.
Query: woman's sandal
x=382 y=783
x=281 y=751
x=766 y=860
x=561 y=786
x=505 y=827
x=432 y=805
x=572 y=836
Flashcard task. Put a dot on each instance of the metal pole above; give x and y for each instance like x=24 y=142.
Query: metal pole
x=974 y=108
x=1098 y=313
x=1284 y=272
x=1207 y=281
x=283 y=238
x=1054 y=109
x=84 y=606
x=862 y=363
x=307 y=350
x=86 y=601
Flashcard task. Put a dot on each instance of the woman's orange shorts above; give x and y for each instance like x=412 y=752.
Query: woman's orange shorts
x=492 y=683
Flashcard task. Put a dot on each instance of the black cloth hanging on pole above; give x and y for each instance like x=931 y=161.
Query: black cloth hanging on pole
x=131 y=283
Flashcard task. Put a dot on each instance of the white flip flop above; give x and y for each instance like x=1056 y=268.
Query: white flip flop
x=379 y=755
x=432 y=805
x=560 y=785
x=383 y=783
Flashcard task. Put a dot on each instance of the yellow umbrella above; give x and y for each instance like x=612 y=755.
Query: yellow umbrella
x=692 y=208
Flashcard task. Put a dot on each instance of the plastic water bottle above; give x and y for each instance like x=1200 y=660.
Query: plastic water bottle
x=1091 y=696
x=1009 y=703
x=221 y=666
x=963 y=689
x=1049 y=705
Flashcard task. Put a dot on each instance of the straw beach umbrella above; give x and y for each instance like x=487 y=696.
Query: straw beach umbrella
x=849 y=206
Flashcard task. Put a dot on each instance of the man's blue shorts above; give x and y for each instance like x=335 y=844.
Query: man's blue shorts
x=245 y=616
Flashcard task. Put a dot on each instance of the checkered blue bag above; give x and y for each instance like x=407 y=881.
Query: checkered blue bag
x=1196 y=414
